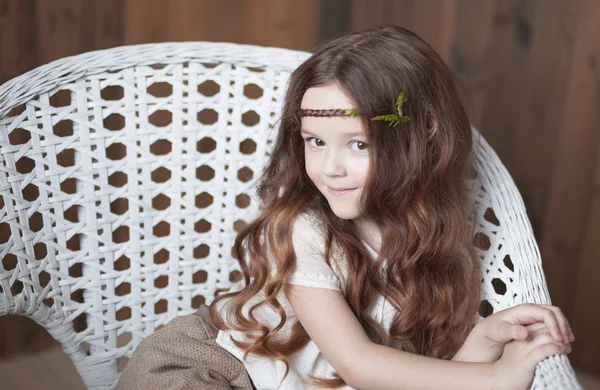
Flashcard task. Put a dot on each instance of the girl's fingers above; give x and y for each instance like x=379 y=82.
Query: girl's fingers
x=544 y=350
x=565 y=328
x=540 y=337
x=538 y=327
x=542 y=345
x=528 y=313
x=536 y=330
x=530 y=330
x=516 y=332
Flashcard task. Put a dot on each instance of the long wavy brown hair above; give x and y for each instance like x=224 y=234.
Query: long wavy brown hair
x=416 y=193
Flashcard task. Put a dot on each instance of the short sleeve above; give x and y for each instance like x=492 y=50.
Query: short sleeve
x=311 y=268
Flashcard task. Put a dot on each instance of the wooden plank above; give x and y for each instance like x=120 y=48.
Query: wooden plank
x=67 y=27
x=584 y=114
x=571 y=184
x=280 y=23
x=472 y=43
x=18 y=43
x=436 y=28
x=148 y=21
x=506 y=85
x=371 y=13
x=334 y=19
x=538 y=117
x=276 y=23
x=364 y=14
x=585 y=315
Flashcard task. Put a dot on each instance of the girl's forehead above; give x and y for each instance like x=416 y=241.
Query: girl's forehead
x=329 y=96
x=326 y=97
x=333 y=126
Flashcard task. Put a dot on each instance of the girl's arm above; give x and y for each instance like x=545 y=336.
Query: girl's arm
x=388 y=368
x=362 y=364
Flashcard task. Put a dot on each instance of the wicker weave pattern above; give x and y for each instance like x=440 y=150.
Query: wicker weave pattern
x=147 y=236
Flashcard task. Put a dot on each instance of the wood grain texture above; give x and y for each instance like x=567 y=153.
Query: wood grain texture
x=18 y=43
x=278 y=23
x=539 y=118
x=570 y=168
x=574 y=192
x=531 y=70
x=67 y=27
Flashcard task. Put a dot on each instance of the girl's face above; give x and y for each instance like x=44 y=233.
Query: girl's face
x=335 y=150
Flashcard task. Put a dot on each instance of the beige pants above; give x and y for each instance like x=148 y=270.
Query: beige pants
x=184 y=355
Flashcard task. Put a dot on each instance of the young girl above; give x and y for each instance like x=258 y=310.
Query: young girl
x=359 y=271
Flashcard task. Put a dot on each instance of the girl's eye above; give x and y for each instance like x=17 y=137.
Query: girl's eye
x=361 y=146
x=316 y=140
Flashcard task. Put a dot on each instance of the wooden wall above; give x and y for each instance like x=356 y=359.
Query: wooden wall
x=532 y=69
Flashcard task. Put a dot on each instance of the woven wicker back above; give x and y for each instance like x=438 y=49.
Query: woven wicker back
x=125 y=173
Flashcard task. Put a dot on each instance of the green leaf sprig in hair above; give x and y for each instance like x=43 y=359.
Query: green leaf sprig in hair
x=393 y=119
x=352 y=112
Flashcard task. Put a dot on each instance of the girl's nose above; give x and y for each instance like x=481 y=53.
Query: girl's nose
x=334 y=164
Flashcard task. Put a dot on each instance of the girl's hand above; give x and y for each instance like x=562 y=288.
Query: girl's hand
x=487 y=339
x=508 y=324
x=516 y=367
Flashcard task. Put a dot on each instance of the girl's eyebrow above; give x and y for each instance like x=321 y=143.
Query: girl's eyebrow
x=353 y=134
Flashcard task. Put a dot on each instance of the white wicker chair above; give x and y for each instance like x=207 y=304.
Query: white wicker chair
x=156 y=95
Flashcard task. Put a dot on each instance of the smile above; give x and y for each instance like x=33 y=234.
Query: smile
x=341 y=191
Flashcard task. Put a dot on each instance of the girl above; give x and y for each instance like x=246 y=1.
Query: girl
x=360 y=271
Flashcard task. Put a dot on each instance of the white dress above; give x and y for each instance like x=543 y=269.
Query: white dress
x=312 y=271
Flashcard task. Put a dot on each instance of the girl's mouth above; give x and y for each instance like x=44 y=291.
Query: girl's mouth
x=341 y=191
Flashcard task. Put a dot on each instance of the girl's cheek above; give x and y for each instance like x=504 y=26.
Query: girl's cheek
x=360 y=169
x=312 y=170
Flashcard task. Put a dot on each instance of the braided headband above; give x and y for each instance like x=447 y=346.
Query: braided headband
x=324 y=112
x=393 y=119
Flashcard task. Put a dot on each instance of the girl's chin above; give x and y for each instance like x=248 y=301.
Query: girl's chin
x=344 y=214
